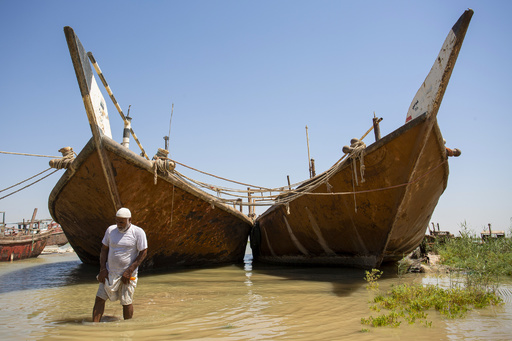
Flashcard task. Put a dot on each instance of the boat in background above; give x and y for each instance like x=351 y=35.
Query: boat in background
x=374 y=205
x=57 y=238
x=184 y=225
x=25 y=240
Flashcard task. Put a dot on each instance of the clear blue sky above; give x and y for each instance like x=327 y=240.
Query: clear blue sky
x=246 y=77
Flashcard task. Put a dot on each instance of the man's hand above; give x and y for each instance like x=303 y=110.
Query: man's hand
x=103 y=264
x=102 y=275
x=126 y=276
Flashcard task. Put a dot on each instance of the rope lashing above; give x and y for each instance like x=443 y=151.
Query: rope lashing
x=356 y=151
x=68 y=156
x=162 y=164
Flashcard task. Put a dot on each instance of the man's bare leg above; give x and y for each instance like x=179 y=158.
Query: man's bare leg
x=99 y=308
x=128 y=311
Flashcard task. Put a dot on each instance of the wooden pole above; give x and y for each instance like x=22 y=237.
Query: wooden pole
x=166 y=138
x=309 y=157
x=34 y=218
x=249 y=199
x=376 y=127
x=109 y=91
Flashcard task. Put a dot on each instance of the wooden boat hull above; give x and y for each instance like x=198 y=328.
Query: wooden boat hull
x=336 y=218
x=22 y=247
x=57 y=238
x=379 y=222
x=184 y=226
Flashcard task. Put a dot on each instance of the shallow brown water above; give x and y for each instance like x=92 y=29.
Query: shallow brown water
x=51 y=298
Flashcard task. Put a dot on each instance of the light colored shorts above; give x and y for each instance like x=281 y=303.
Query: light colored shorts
x=117 y=291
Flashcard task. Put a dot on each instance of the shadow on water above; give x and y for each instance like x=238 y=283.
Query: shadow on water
x=81 y=321
x=47 y=276
x=345 y=280
x=63 y=273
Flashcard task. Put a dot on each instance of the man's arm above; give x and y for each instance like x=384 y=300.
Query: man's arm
x=128 y=272
x=103 y=264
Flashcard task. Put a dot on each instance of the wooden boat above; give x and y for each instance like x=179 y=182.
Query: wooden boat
x=57 y=237
x=184 y=225
x=336 y=218
x=22 y=246
x=26 y=240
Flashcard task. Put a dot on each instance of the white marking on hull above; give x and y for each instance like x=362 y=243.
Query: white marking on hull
x=318 y=233
x=294 y=239
x=268 y=242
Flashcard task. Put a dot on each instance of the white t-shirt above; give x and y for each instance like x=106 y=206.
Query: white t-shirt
x=123 y=247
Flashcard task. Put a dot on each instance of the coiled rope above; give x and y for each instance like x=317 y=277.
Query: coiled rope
x=162 y=163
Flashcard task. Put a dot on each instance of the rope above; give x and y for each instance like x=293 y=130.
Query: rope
x=221 y=178
x=25 y=154
x=162 y=163
x=68 y=156
x=384 y=188
x=19 y=183
x=294 y=193
x=260 y=189
x=44 y=177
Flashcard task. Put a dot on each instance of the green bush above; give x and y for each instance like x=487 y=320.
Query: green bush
x=476 y=268
x=410 y=302
x=482 y=263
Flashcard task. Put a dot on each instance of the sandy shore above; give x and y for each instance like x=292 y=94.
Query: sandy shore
x=57 y=249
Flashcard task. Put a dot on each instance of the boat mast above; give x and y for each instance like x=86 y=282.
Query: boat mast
x=311 y=162
x=33 y=219
x=127 y=128
x=166 y=138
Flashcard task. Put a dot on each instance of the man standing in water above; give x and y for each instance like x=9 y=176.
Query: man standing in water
x=123 y=249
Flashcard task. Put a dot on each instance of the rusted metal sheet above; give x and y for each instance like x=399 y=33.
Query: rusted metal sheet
x=24 y=246
x=184 y=226
x=384 y=217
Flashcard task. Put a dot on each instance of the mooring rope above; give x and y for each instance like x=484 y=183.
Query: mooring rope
x=67 y=157
x=221 y=178
x=279 y=195
x=19 y=183
x=25 y=154
x=44 y=177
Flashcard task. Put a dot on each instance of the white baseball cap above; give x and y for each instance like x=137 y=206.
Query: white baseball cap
x=124 y=213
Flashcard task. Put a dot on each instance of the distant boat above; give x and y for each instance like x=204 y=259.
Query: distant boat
x=375 y=205
x=57 y=237
x=25 y=240
x=184 y=225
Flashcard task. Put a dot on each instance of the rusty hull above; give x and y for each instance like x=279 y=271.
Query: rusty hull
x=405 y=174
x=22 y=247
x=184 y=226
